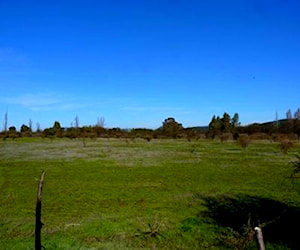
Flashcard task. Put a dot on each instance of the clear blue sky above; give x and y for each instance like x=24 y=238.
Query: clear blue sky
x=136 y=63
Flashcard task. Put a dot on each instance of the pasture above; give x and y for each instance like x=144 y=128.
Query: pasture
x=161 y=194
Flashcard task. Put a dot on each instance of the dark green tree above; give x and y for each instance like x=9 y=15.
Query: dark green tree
x=235 y=120
x=57 y=130
x=12 y=132
x=25 y=130
x=226 y=123
x=235 y=125
x=171 y=128
x=12 y=129
x=56 y=125
x=214 y=127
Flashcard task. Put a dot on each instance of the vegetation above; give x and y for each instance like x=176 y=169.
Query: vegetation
x=296 y=170
x=223 y=128
x=244 y=140
x=286 y=145
x=170 y=188
x=130 y=193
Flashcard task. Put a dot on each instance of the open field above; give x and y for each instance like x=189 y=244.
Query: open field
x=166 y=194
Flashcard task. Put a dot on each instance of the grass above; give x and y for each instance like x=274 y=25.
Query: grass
x=125 y=194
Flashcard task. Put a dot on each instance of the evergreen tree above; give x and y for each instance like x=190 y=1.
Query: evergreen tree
x=226 y=125
x=56 y=125
x=235 y=120
x=214 y=127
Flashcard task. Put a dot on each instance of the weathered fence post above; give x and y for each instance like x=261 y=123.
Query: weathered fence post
x=38 y=213
x=259 y=239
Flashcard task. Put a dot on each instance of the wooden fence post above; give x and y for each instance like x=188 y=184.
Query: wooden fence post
x=259 y=239
x=38 y=213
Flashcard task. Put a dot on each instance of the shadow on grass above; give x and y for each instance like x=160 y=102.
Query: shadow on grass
x=280 y=222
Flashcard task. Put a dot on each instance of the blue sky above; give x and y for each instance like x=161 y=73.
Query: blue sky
x=135 y=63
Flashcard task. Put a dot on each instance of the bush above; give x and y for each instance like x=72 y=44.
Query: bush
x=285 y=145
x=244 y=140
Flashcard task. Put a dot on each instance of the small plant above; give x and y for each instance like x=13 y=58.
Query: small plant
x=285 y=145
x=244 y=140
x=235 y=240
x=151 y=230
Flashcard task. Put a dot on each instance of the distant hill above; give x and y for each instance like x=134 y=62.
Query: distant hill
x=282 y=126
x=198 y=128
x=281 y=121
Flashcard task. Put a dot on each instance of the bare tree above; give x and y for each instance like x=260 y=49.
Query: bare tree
x=276 y=120
x=5 y=121
x=297 y=114
x=289 y=115
x=76 y=121
x=100 y=122
x=38 y=127
x=30 y=124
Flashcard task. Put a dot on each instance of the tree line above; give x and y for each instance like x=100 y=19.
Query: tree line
x=220 y=127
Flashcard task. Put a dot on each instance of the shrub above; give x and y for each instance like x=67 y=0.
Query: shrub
x=285 y=145
x=244 y=140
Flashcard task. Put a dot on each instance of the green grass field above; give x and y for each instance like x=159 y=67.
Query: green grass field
x=165 y=194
